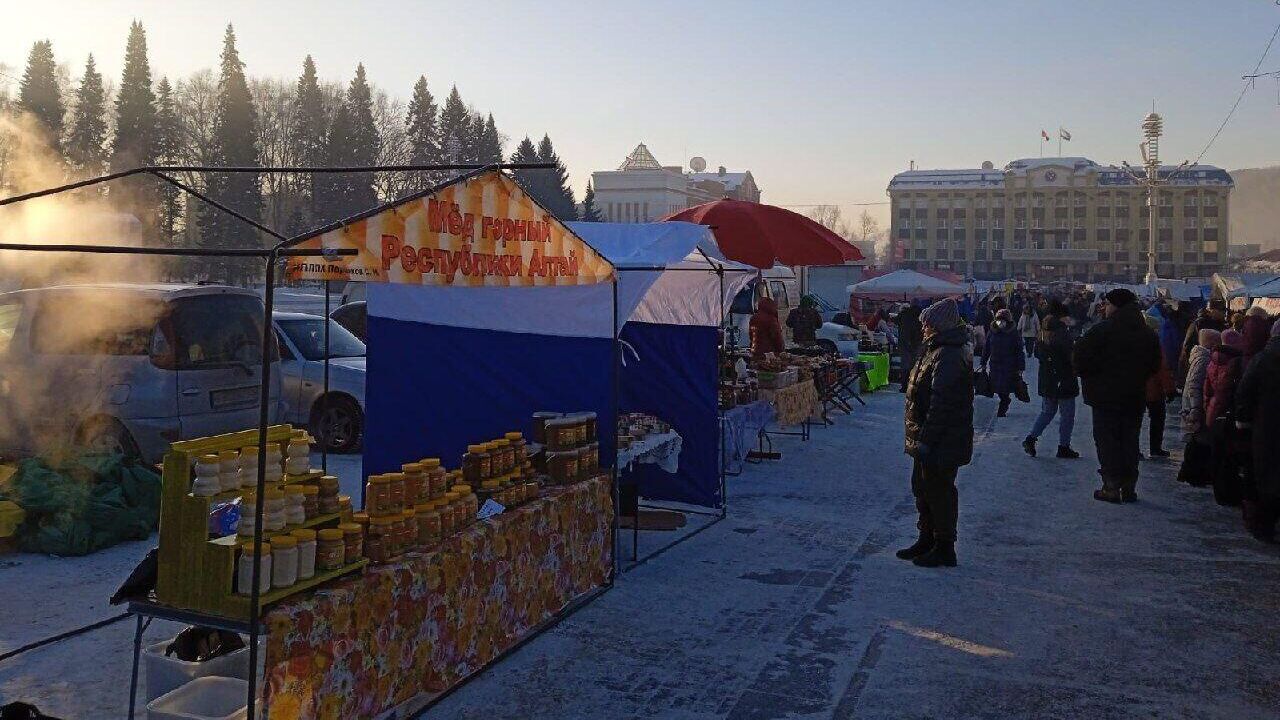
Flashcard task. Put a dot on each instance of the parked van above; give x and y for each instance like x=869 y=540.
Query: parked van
x=129 y=368
x=778 y=283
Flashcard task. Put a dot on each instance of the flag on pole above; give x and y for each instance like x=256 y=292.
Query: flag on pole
x=1044 y=134
x=1063 y=134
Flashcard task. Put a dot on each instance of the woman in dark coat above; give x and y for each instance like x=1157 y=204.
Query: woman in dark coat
x=1002 y=358
x=1057 y=383
x=938 y=432
x=1225 y=369
x=1257 y=414
x=766 y=330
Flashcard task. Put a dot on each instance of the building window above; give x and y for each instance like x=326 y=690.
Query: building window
x=1166 y=223
x=904 y=233
x=997 y=202
x=1021 y=200
x=1122 y=223
x=1079 y=200
x=959 y=202
x=942 y=223
x=980 y=202
x=1062 y=224
x=1039 y=201
x=997 y=223
x=1190 y=200
x=1078 y=224
x=1037 y=224
x=1210 y=200
x=1166 y=199
x=982 y=223
x=1022 y=223
x=1209 y=222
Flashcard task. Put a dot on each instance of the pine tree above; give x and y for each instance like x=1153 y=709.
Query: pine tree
x=489 y=148
x=475 y=136
x=235 y=144
x=590 y=213
x=168 y=149
x=559 y=196
x=88 y=132
x=135 y=107
x=363 y=141
x=423 y=130
x=455 y=127
x=530 y=180
x=308 y=134
x=38 y=91
x=333 y=191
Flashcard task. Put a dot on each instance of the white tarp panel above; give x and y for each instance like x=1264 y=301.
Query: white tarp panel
x=689 y=296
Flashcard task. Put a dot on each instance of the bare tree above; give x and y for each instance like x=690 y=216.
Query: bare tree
x=281 y=193
x=830 y=217
x=388 y=118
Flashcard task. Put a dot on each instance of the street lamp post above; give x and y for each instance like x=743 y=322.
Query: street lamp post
x=1152 y=129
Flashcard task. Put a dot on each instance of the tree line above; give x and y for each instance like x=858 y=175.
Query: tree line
x=224 y=117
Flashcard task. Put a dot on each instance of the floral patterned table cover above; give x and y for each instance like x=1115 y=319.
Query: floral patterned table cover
x=415 y=627
x=794 y=403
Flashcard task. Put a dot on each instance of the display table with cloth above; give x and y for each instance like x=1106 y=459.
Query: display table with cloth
x=793 y=404
x=408 y=630
x=742 y=426
x=877 y=365
x=661 y=449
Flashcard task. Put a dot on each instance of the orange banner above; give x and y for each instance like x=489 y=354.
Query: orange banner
x=481 y=232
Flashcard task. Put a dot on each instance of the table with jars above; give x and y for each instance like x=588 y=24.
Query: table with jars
x=445 y=593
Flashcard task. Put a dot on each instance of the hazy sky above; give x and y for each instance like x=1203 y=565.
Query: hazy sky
x=822 y=101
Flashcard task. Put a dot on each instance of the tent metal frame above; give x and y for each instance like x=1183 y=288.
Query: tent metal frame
x=283 y=247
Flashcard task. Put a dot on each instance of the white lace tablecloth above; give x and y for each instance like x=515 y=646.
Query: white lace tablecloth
x=661 y=449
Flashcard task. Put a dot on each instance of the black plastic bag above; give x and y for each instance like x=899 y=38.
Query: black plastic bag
x=198 y=644
x=1020 y=390
x=982 y=384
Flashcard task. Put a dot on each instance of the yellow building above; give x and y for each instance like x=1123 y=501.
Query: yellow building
x=1064 y=218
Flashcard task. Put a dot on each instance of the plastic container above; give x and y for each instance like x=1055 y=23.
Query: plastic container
x=299 y=459
x=284 y=561
x=229 y=469
x=306 y=553
x=295 y=511
x=330 y=550
x=244 y=568
x=208 y=481
x=204 y=698
x=249 y=466
x=165 y=673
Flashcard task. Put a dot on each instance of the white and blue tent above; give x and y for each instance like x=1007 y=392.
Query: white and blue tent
x=452 y=366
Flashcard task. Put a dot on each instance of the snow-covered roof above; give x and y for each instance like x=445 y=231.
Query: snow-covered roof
x=1194 y=175
x=730 y=180
x=947 y=179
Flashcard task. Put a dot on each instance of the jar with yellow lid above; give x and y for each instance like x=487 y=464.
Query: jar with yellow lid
x=344 y=508
x=504 y=455
x=470 y=506
x=306 y=538
x=448 y=520
x=295 y=512
x=208 y=478
x=352 y=542
x=410 y=538
x=361 y=519
x=396 y=484
x=416 y=485
x=428 y=519
x=244 y=568
x=330 y=550
x=519 y=447
x=379 y=545
x=476 y=464
x=284 y=561
x=273 y=514
x=489 y=489
x=328 y=494
x=377 y=499
x=310 y=500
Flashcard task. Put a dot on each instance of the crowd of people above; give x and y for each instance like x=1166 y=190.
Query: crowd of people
x=1130 y=359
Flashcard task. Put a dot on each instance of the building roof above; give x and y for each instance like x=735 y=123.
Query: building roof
x=640 y=159
x=1193 y=175
x=730 y=180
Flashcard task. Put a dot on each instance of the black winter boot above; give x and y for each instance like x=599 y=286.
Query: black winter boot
x=1067 y=453
x=922 y=546
x=943 y=554
x=1029 y=446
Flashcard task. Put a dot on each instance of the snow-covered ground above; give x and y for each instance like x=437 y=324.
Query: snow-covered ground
x=1062 y=607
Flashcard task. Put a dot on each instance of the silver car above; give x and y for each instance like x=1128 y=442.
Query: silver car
x=337 y=419
x=128 y=368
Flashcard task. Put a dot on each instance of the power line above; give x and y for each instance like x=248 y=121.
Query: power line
x=1248 y=83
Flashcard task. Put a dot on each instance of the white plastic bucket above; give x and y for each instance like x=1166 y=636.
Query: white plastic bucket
x=167 y=673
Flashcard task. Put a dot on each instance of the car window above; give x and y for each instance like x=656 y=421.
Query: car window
x=94 y=323
x=779 y=292
x=743 y=302
x=285 y=352
x=10 y=313
x=307 y=334
x=212 y=331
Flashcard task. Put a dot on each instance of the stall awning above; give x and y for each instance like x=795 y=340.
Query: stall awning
x=905 y=285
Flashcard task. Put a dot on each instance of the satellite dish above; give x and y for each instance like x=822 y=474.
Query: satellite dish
x=987 y=165
x=698 y=164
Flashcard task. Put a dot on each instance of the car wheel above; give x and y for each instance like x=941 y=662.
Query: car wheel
x=337 y=424
x=107 y=435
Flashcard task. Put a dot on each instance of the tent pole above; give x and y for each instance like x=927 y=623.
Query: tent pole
x=724 y=485
x=324 y=399
x=264 y=419
x=617 y=380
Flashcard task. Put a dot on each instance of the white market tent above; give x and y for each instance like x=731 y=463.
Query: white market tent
x=905 y=285
x=1237 y=289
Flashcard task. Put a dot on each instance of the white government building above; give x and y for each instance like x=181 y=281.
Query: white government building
x=644 y=190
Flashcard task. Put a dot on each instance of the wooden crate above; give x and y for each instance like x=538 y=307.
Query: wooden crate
x=194 y=572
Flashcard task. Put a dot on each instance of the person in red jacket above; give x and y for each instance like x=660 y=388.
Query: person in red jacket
x=766 y=329
x=1226 y=366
